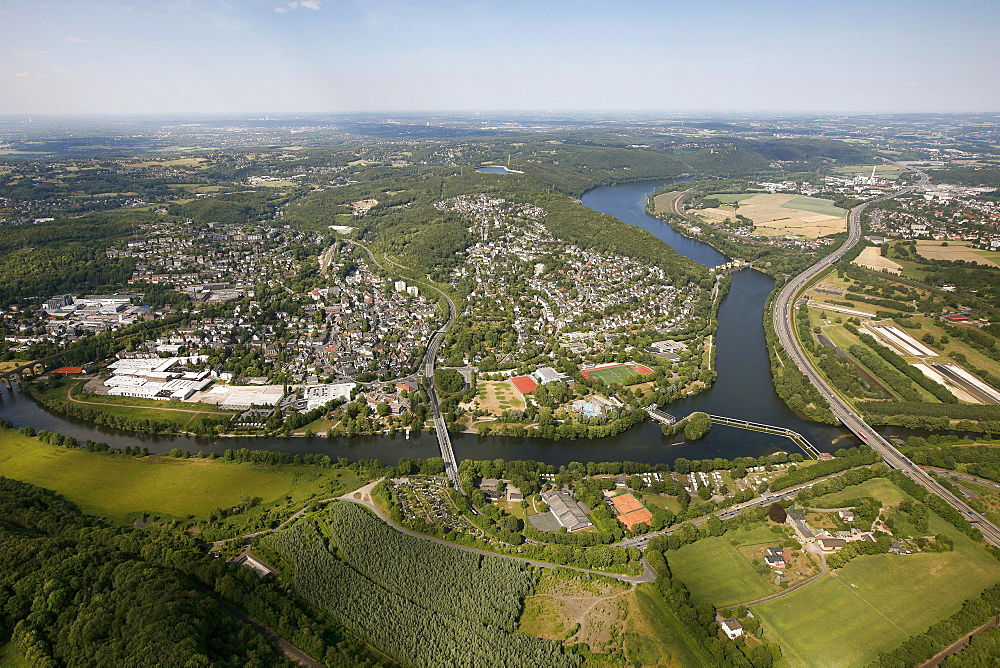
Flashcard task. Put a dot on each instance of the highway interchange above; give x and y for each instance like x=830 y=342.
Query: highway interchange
x=783 y=315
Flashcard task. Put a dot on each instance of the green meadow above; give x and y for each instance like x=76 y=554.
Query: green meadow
x=714 y=571
x=119 y=486
x=875 y=602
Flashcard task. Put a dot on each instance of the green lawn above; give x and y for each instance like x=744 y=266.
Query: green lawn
x=659 y=501
x=668 y=635
x=876 y=602
x=116 y=485
x=713 y=570
x=11 y=657
x=877 y=488
x=613 y=374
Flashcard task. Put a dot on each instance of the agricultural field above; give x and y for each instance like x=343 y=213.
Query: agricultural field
x=277 y=184
x=497 y=396
x=956 y=250
x=875 y=602
x=715 y=571
x=780 y=214
x=609 y=617
x=890 y=172
x=175 y=162
x=871 y=258
x=665 y=203
x=165 y=486
x=196 y=187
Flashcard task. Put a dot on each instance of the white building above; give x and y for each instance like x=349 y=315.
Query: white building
x=733 y=628
x=318 y=395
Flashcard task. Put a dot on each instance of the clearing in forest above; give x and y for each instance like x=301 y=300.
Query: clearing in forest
x=609 y=617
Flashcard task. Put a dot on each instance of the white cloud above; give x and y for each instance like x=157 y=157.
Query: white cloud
x=77 y=40
x=295 y=4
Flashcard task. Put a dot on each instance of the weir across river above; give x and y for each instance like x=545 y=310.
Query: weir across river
x=794 y=436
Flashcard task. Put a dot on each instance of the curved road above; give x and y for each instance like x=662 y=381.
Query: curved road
x=430 y=359
x=783 y=316
x=648 y=574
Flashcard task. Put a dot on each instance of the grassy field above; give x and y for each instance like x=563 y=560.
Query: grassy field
x=497 y=396
x=612 y=374
x=878 y=488
x=196 y=187
x=277 y=184
x=116 y=486
x=875 y=602
x=891 y=172
x=176 y=162
x=612 y=620
x=814 y=205
x=11 y=657
x=955 y=250
x=657 y=637
x=665 y=202
x=775 y=214
x=662 y=501
x=714 y=571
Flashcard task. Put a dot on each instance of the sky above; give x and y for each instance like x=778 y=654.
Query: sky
x=234 y=56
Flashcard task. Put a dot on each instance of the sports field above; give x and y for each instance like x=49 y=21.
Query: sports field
x=778 y=214
x=715 y=572
x=114 y=486
x=617 y=373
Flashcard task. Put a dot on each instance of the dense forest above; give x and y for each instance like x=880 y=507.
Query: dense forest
x=76 y=591
x=424 y=604
x=63 y=256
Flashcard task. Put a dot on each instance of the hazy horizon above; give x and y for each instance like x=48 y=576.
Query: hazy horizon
x=363 y=56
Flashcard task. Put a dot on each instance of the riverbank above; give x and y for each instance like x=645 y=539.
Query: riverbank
x=743 y=389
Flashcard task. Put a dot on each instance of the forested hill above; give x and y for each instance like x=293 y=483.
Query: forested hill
x=67 y=255
x=75 y=591
x=407 y=224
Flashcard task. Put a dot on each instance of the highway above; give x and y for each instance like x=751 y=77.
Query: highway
x=783 y=315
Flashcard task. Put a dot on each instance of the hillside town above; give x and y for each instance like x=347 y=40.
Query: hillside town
x=519 y=273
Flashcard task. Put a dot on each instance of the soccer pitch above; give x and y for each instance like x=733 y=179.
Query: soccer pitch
x=616 y=374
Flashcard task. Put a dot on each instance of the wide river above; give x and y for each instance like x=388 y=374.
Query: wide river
x=743 y=390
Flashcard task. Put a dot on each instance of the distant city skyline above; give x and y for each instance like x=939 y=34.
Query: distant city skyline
x=245 y=56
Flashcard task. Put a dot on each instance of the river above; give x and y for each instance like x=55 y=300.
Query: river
x=743 y=389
